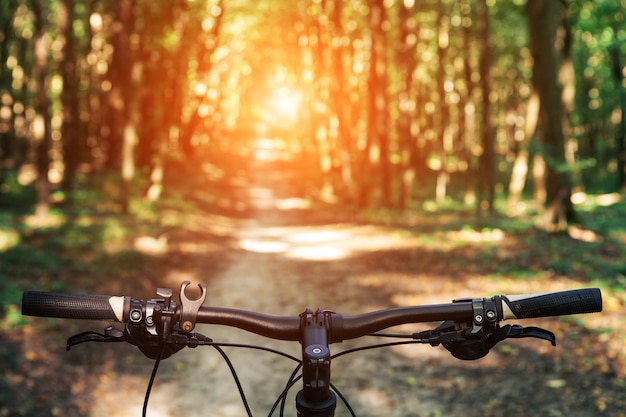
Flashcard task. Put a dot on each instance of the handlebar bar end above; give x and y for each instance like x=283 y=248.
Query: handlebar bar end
x=75 y=306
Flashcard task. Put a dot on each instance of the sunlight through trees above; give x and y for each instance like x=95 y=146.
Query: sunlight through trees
x=390 y=103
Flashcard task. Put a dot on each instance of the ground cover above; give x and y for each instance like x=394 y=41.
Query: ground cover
x=282 y=261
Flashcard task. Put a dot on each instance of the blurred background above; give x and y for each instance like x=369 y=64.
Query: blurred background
x=346 y=154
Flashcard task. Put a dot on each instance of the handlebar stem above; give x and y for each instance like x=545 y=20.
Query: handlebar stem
x=315 y=399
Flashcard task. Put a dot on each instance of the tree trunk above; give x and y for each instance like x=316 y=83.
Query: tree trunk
x=70 y=95
x=467 y=107
x=519 y=173
x=382 y=110
x=341 y=107
x=7 y=132
x=620 y=122
x=188 y=128
x=544 y=18
x=443 y=130
x=123 y=96
x=407 y=61
x=43 y=121
x=486 y=171
x=566 y=78
x=370 y=169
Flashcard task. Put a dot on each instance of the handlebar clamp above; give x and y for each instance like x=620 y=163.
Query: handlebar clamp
x=484 y=313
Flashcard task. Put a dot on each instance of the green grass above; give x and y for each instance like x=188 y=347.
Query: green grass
x=85 y=245
x=535 y=254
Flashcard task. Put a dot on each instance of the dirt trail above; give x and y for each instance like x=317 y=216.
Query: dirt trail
x=271 y=269
x=349 y=268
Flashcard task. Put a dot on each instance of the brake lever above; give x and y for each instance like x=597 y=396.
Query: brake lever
x=466 y=345
x=151 y=346
x=517 y=332
x=111 y=335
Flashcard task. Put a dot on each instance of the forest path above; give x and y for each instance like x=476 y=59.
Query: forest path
x=272 y=269
x=276 y=266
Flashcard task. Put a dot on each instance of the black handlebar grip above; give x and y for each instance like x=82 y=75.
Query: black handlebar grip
x=75 y=306
x=586 y=300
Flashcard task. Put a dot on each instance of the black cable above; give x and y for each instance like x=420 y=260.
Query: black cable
x=218 y=346
x=283 y=396
x=292 y=381
x=393 y=335
x=292 y=378
x=235 y=377
x=343 y=399
x=151 y=382
x=381 y=345
x=240 y=345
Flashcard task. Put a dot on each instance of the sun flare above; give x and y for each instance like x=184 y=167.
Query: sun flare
x=285 y=102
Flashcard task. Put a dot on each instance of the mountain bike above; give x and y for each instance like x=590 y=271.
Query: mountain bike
x=162 y=326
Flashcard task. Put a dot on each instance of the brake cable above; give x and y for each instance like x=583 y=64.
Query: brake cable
x=155 y=368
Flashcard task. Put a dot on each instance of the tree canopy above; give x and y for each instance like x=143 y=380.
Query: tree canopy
x=368 y=103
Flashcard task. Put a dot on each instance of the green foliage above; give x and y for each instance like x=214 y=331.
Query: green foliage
x=528 y=253
x=14 y=197
x=217 y=86
x=10 y=299
x=79 y=250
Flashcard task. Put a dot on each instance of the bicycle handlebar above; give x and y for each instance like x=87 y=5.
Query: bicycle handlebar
x=161 y=327
x=118 y=308
x=341 y=327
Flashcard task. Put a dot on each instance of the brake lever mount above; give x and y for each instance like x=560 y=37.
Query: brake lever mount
x=484 y=313
x=158 y=327
x=473 y=340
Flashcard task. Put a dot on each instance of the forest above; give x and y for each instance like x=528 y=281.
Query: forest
x=369 y=103
x=346 y=154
